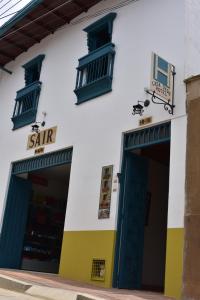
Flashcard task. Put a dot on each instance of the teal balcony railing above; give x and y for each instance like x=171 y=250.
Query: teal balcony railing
x=95 y=73
x=26 y=105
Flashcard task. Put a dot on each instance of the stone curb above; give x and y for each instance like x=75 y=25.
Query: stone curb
x=43 y=292
x=9 y=283
x=49 y=293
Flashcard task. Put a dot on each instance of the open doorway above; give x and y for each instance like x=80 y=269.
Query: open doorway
x=155 y=230
x=33 y=220
x=142 y=224
x=45 y=219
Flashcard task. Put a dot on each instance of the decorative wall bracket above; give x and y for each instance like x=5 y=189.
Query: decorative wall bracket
x=161 y=88
x=157 y=100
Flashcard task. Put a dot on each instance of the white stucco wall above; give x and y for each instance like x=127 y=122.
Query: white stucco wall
x=177 y=173
x=192 y=38
x=95 y=128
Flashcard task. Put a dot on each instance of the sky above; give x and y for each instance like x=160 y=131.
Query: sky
x=10 y=6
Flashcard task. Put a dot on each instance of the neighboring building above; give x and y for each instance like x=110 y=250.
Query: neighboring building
x=78 y=67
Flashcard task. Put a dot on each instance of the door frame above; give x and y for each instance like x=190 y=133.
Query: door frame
x=44 y=161
x=136 y=139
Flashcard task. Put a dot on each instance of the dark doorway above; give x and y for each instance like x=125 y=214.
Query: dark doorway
x=33 y=222
x=45 y=221
x=142 y=224
x=155 y=232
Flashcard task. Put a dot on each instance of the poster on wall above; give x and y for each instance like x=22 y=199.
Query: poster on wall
x=105 y=192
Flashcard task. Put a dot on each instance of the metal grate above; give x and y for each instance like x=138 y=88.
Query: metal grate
x=98 y=269
x=43 y=161
x=148 y=136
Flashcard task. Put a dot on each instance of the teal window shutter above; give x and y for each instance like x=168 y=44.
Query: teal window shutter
x=27 y=98
x=33 y=69
x=95 y=70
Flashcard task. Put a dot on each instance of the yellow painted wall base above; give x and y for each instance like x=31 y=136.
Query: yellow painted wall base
x=78 y=250
x=174 y=262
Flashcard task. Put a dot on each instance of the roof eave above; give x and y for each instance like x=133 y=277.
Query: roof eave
x=19 y=16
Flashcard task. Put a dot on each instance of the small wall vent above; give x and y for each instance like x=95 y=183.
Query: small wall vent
x=98 y=269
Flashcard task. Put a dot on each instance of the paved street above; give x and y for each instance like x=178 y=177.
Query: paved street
x=10 y=295
x=54 y=281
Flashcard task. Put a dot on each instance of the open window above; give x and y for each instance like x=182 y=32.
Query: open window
x=26 y=101
x=95 y=70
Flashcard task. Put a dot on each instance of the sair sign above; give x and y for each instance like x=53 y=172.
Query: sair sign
x=42 y=138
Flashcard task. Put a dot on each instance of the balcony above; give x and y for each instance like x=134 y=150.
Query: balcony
x=95 y=73
x=26 y=105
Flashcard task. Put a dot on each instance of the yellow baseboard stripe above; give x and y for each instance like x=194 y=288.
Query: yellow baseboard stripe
x=174 y=262
x=79 y=248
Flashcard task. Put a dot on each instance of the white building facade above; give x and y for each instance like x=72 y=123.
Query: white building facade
x=101 y=241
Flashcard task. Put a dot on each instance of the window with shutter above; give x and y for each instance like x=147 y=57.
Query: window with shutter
x=26 y=101
x=95 y=70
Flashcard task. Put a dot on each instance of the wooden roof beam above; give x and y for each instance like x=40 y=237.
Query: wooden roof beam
x=6 y=55
x=46 y=27
x=15 y=44
x=82 y=6
x=56 y=14
x=22 y=32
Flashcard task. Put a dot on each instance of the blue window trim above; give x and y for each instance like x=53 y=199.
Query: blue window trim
x=30 y=94
x=34 y=63
x=99 y=24
x=106 y=21
x=26 y=102
x=49 y=160
x=95 y=70
x=109 y=18
x=95 y=86
x=37 y=60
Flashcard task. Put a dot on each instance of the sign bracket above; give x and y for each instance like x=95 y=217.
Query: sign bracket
x=157 y=100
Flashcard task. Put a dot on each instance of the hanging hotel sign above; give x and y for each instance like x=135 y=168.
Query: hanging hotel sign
x=105 y=192
x=42 y=138
x=162 y=78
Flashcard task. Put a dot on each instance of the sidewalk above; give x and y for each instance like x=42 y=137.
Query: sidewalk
x=52 y=286
x=10 y=295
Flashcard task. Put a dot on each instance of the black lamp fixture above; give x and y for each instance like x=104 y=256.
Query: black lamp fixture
x=138 y=109
x=36 y=127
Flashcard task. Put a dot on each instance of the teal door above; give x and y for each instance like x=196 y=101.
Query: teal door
x=132 y=222
x=14 y=222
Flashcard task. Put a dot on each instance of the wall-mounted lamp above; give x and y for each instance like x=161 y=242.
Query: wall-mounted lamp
x=36 y=127
x=138 y=109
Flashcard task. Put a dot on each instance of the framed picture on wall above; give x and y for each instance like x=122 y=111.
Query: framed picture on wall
x=105 y=192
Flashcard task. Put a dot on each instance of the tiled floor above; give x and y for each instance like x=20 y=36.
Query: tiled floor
x=55 y=281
